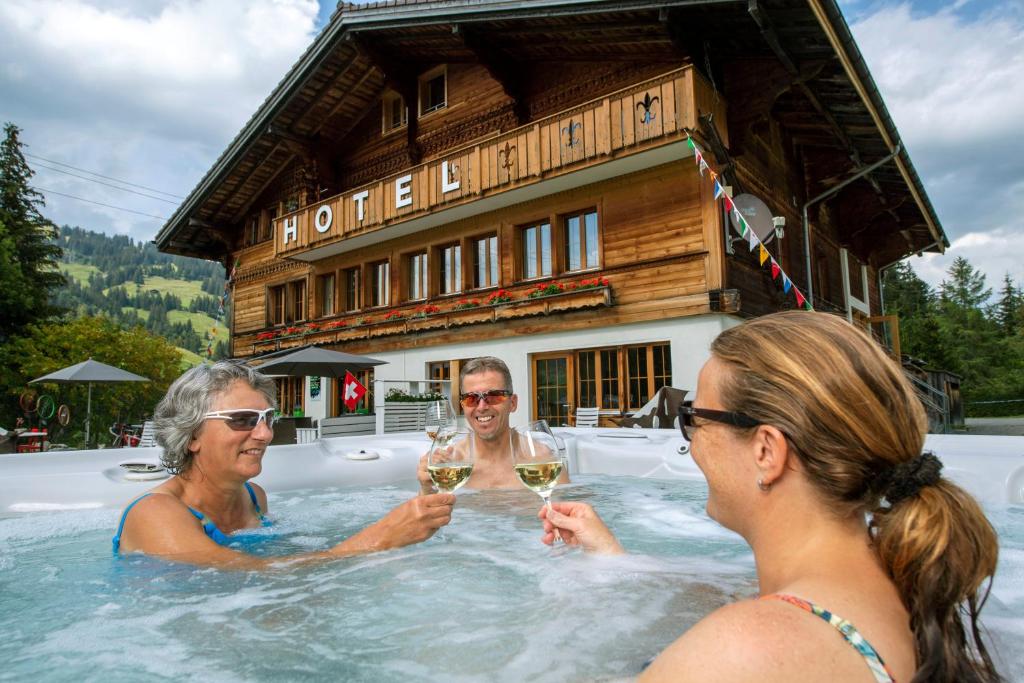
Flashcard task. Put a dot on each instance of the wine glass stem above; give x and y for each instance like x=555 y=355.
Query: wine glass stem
x=547 y=502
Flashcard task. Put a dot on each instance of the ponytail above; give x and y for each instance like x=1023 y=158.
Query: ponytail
x=939 y=549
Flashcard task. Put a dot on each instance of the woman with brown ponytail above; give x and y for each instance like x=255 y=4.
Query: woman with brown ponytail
x=811 y=440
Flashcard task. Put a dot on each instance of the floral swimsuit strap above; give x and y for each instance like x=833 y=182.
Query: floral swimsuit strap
x=852 y=636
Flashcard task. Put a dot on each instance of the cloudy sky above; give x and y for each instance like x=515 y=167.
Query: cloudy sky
x=150 y=92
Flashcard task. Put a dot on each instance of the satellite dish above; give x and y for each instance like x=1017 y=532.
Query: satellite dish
x=757 y=215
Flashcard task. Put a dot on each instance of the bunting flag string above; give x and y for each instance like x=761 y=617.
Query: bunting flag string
x=745 y=230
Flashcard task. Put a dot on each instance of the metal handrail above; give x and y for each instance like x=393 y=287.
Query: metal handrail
x=927 y=393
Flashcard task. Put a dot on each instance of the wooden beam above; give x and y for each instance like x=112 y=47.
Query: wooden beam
x=500 y=67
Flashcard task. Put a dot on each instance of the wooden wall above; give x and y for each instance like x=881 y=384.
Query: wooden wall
x=653 y=248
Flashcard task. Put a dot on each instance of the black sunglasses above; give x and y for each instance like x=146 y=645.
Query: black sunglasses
x=687 y=412
x=243 y=419
x=494 y=397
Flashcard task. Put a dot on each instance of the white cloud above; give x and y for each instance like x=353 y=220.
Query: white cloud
x=952 y=82
x=150 y=92
x=995 y=253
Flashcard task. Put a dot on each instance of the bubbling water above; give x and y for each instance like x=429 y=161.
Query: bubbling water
x=484 y=601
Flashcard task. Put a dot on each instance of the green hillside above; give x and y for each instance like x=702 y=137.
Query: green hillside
x=133 y=284
x=78 y=271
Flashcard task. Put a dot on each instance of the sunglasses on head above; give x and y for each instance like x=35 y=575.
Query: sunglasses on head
x=687 y=412
x=494 y=397
x=243 y=419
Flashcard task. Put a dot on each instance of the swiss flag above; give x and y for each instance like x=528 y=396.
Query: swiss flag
x=352 y=391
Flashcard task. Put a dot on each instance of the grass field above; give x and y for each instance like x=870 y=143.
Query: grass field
x=189 y=359
x=78 y=271
x=183 y=289
x=201 y=323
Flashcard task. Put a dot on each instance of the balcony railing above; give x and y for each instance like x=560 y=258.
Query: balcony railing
x=648 y=114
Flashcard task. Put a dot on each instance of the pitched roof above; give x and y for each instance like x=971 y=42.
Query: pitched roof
x=837 y=108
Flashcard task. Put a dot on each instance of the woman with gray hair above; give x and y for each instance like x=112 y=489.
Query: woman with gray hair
x=215 y=424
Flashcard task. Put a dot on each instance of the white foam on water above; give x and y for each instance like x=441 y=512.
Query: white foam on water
x=53 y=507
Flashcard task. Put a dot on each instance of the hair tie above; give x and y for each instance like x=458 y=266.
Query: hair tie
x=908 y=478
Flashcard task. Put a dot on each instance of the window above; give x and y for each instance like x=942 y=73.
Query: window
x=581 y=241
x=395 y=113
x=290 y=392
x=485 y=262
x=380 y=283
x=609 y=373
x=439 y=371
x=297 y=299
x=417 y=274
x=267 y=223
x=620 y=379
x=365 y=404
x=326 y=290
x=649 y=368
x=636 y=363
x=433 y=90
x=536 y=251
x=449 y=269
x=275 y=297
x=286 y=303
x=350 y=283
x=252 y=229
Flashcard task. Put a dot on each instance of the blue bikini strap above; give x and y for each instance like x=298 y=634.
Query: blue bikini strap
x=120 y=527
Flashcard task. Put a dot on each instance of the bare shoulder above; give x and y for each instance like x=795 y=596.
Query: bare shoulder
x=157 y=523
x=752 y=640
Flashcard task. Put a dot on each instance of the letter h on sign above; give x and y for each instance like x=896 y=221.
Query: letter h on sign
x=291 y=229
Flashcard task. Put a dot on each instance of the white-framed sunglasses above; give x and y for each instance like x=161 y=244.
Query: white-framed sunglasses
x=243 y=419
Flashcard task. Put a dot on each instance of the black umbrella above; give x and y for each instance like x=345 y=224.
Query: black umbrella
x=89 y=372
x=313 y=361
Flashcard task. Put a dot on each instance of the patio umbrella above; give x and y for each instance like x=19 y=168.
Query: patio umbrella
x=312 y=361
x=89 y=372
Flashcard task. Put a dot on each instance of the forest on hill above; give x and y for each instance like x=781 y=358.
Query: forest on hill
x=131 y=283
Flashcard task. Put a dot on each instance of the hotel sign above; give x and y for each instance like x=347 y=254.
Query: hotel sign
x=653 y=112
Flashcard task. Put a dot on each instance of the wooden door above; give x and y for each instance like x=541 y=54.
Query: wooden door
x=553 y=389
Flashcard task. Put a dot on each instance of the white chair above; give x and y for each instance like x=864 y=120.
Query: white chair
x=587 y=417
x=148 y=438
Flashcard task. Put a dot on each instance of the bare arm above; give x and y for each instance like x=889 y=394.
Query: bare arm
x=161 y=525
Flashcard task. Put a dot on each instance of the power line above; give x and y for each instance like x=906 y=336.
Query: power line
x=100 y=182
x=109 y=206
x=100 y=175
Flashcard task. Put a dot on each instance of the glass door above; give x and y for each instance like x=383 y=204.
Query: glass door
x=553 y=389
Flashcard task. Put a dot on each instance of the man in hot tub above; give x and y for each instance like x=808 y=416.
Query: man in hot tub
x=488 y=401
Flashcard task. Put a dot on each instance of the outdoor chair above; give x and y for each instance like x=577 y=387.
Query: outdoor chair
x=148 y=438
x=587 y=417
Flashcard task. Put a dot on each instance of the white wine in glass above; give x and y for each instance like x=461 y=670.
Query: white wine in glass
x=450 y=460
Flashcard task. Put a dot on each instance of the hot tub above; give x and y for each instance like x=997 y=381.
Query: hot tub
x=482 y=600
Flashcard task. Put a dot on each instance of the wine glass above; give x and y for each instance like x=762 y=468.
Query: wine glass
x=450 y=459
x=536 y=460
x=439 y=416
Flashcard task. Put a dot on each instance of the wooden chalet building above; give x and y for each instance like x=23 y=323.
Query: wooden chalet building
x=427 y=166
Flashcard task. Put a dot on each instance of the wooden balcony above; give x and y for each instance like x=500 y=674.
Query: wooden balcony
x=411 y=319
x=651 y=114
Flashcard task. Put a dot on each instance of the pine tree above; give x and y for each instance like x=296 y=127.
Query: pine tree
x=28 y=269
x=1009 y=309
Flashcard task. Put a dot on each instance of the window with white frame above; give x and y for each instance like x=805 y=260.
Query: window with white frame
x=433 y=90
x=449 y=269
